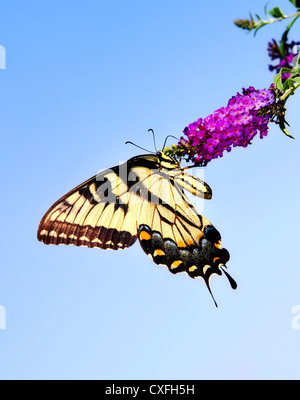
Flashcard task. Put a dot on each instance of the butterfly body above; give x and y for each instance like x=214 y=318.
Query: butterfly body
x=141 y=199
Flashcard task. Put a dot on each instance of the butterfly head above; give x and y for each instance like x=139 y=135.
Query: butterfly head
x=167 y=161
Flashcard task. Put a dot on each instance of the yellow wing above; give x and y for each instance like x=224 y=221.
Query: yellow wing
x=101 y=212
x=173 y=233
x=98 y=213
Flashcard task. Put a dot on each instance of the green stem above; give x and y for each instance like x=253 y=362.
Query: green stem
x=289 y=92
x=271 y=20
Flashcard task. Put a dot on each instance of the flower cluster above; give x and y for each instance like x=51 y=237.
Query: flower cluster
x=235 y=125
x=284 y=53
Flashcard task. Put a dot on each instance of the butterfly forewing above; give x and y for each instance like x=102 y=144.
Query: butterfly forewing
x=95 y=214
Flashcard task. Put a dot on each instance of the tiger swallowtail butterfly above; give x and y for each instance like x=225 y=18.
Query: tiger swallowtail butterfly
x=141 y=199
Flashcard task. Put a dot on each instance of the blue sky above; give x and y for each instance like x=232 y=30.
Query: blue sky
x=83 y=77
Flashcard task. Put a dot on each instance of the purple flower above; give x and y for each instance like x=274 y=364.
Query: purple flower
x=284 y=55
x=235 y=125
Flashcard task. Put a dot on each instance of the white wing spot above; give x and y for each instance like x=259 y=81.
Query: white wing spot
x=205 y=268
x=53 y=234
x=97 y=241
x=84 y=238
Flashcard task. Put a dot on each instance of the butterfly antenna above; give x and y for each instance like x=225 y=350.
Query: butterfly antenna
x=152 y=131
x=168 y=138
x=142 y=148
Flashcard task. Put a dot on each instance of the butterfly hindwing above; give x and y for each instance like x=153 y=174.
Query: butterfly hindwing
x=173 y=233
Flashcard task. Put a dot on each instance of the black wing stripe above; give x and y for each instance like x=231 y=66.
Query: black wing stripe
x=158 y=200
x=194 y=185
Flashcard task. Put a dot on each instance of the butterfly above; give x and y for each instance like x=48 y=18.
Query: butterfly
x=143 y=198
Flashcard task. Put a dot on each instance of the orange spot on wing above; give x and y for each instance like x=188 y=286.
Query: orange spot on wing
x=145 y=236
x=176 y=264
x=159 y=252
x=181 y=243
x=199 y=237
x=190 y=242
